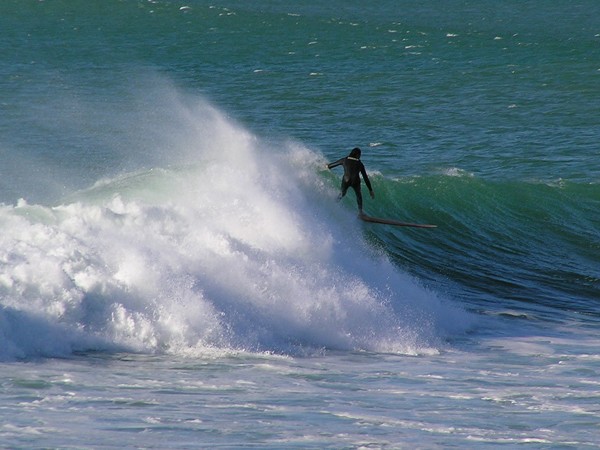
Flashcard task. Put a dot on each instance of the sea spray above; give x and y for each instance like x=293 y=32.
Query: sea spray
x=241 y=248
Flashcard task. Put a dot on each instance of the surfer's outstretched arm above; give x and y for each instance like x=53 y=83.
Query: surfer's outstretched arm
x=363 y=172
x=339 y=162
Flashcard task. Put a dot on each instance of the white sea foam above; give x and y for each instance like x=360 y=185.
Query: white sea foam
x=240 y=249
x=456 y=172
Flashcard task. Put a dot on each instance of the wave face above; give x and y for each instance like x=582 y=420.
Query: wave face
x=524 y=243
x=239 y=249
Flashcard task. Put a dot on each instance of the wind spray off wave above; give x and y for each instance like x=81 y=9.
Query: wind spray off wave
x=236 y=250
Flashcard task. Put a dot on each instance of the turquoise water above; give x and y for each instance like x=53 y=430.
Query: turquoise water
x=175 y=271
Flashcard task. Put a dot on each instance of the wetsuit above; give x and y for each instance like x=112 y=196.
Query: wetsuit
x=352 y=168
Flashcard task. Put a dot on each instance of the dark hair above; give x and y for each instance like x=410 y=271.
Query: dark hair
x=355 y=153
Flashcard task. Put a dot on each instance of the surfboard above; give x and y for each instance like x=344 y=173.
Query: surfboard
x=397 y=223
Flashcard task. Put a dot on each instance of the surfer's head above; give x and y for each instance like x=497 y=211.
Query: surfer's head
x=355 y=153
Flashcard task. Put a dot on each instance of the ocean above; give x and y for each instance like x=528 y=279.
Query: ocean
x=175 y=271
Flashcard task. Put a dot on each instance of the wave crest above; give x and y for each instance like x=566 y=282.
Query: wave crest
x=232 y=251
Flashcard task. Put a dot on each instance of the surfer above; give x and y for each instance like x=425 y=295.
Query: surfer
x=353 y=166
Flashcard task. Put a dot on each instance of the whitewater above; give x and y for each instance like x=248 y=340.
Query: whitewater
x=240 y=249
